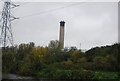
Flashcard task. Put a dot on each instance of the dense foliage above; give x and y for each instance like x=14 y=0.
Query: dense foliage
x=52 y=62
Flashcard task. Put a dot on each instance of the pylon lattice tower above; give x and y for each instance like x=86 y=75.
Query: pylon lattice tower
x=6 y=37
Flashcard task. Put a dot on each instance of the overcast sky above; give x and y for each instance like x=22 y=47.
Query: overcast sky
x=91 y=23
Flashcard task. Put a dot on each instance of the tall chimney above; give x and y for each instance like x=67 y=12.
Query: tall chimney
x=61 y=38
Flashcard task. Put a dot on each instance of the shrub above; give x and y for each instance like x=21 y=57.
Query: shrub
x=67 y=65
x=105 y=75
x=82 y=74
x=24 y=69
x=62 y=74
x=82 y=60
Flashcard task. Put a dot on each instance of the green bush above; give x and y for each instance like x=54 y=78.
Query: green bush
x=41 y=74
x=105 y=75
x=82 y=74
x=55 y=73
x=62 y=74
x=47 y=72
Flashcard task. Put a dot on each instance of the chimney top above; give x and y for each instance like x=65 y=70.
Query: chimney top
x=62 y=23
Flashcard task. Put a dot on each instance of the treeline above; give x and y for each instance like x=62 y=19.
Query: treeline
x=52 y=62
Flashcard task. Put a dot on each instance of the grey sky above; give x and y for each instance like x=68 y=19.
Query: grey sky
x=91 y=24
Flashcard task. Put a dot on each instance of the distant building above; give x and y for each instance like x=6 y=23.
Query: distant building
x=83 y=50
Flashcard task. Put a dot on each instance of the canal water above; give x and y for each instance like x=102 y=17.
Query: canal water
x=15 y=77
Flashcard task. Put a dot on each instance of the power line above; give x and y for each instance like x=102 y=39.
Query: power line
x=52 y=10
x=22 y=4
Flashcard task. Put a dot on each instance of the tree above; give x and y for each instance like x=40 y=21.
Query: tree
x=54 y=51
x=24 y=50
x=54 y=45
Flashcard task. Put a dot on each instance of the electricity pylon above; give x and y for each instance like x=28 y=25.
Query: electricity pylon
x=6 y=37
